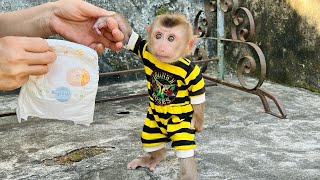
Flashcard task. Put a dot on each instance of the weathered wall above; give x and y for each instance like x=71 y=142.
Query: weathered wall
x=288 y=32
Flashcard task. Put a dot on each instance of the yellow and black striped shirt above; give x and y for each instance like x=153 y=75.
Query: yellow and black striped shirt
x=173 y=87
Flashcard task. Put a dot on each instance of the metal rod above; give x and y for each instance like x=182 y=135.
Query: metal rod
x=117 y=98
x=220 y=44
x=259 y=92
x=141 y=69
x=138 y=95
x=224 y=39
x=282 y=111
x=108 y=99
x=121 y=72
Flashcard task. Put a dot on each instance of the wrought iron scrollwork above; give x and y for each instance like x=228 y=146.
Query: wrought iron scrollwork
x=244 y=34
x=202 y=27
x=212 y=6
x=229 y=5
x=247 y=65
x=201 y=54
x=242 y=31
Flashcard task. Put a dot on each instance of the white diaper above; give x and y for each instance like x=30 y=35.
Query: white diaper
x=68 y=90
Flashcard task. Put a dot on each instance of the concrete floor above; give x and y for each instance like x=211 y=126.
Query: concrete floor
x=239 y=141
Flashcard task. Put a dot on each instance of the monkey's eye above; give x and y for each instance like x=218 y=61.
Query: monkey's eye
x=171 y=38
x=158 y=36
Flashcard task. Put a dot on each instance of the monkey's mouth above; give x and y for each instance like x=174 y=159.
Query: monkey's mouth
x=161 y=58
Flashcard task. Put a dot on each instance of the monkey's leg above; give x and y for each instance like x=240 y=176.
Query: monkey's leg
x=150 y=161
x=188 y=169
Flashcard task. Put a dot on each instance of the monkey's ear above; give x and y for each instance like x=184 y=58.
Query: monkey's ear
x=191 y=43
x=148 y=29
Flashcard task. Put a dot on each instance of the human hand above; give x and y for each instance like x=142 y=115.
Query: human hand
x=74 y=19
x=101 y=26
x=21 y=57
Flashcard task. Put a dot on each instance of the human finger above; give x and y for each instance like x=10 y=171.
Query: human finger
x=108 y=35
x=107 y=41
x=105 y=24
x=23 y=80
x=19 y=82
x=93 y=11
x=115 y=46
x=98 y=47
x=118 y=46
x=34 y=44
x=115 y=27
x=39 y=58
x=37 y=70
x=117 y=35
x=111 y=24
x=114 y=36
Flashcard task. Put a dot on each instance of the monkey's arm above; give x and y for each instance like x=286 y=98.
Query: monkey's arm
x=196 y=90
x=198 y=116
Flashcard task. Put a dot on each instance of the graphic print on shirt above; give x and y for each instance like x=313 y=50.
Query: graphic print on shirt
x=163 y=88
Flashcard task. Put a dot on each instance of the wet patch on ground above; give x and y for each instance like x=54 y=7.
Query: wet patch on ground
x=77 y=155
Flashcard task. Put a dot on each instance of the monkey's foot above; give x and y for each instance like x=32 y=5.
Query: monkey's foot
x=149 y=162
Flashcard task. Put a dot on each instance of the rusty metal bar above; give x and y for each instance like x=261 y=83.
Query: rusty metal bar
x=141 y=69
x=120 y=72
x=224 y=39
x=117 y=98
x=259 y=92
x=262 y=94
x=107 y=99
x=137 y=95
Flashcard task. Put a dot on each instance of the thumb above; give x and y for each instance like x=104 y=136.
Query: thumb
x=94 y=11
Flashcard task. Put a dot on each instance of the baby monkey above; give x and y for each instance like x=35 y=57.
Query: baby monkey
x=175 y=86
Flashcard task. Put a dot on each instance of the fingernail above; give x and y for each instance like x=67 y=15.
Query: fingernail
x=110 y=13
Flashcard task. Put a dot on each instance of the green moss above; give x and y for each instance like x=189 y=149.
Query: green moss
x=300 y=84
x=80 y=154
x=162 y=10
x=76 y=155
x=305 y=85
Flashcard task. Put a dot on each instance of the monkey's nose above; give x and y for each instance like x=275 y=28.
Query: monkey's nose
x=162 y=49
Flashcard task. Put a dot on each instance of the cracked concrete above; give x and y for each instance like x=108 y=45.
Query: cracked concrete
x=239 y=140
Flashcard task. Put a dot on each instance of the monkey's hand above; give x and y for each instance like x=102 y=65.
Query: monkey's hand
x=197 y=117
x=102 y=23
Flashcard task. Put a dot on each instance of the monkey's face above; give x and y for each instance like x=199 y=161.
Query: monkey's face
x=167 y=44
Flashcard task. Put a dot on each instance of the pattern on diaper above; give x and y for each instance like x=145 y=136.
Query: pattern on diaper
x=78 y=77
x=62 y=94
x=79 y=52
